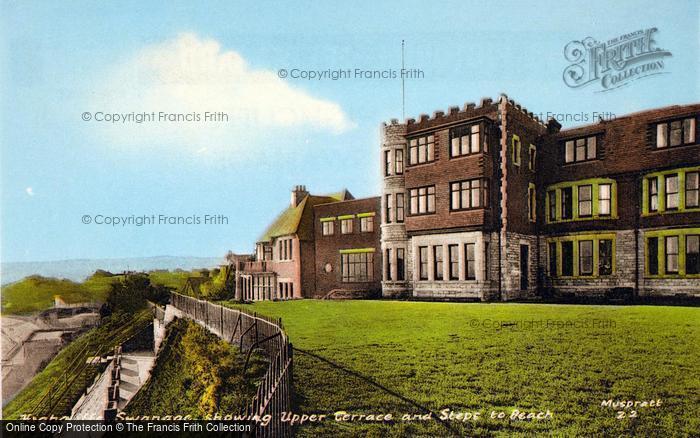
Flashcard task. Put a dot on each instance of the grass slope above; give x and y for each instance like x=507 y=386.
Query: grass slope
x=459 y=356
x=173 y=279
x=37 y=293
x=197 y=374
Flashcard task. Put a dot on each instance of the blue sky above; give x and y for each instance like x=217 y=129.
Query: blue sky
x=60 y=60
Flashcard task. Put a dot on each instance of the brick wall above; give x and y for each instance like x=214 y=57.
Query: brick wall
x=327 y=248
x=626 y=153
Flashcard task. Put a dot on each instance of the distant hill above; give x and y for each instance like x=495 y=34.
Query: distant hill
x=80 y=269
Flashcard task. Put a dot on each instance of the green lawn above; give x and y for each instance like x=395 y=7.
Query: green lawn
x=433 y=356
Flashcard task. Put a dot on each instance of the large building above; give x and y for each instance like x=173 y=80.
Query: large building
x=488 y=202
x=319 y=246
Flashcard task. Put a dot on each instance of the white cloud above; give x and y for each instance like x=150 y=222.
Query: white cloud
x=29 y=191
x=191 y=75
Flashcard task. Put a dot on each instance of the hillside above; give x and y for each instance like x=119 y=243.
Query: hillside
x=58 y=386
x=37 y=293
x=197 y=374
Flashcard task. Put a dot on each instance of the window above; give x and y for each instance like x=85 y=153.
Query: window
x=468 y=194
x=486 y=261
x=465 y=140
x=267 y=252
x=367 y=224
x=345 y=226
x=453 y=253
x=422 y=200
x=470 y=261
x=692 y=188
x=421 y=150
x=566 y=203
x=531 y=163
x=567 y=258
x=437 y=262
x=585 y=257
x=284 y=249
x=653 y=193
x=604 y=199
x=653 y=255
x=387 y=257
x=581 y=149
x=585 y=201
x=516 y=150
x=692 y=254
x=672 y=197
x=328 y=228
x=485 y=185
x=387 y=163
x=552 y=202
x=552 y=259
x=400 y=264
x=387 y=213
x=423 y=262
x=671 y=254
x=356 y=267
x=399 y=207
x=605 y=257
x=532 y=203
x=398 y=160
x=675 y=133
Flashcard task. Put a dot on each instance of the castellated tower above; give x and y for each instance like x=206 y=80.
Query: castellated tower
x=396 y=249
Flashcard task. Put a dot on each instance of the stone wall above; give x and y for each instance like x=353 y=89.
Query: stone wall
x=622 y=277
x=510 y=263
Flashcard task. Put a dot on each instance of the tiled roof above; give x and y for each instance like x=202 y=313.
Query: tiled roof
x=299 y=220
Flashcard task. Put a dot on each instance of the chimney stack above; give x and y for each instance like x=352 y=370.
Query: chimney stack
x=298 y=195
x=553 y=126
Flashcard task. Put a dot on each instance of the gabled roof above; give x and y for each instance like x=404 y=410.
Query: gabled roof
x=299 y=220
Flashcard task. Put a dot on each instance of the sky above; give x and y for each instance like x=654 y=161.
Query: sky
x=63 y=62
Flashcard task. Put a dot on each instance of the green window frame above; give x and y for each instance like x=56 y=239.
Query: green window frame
x=692 y=254
x=583 y=255
x=532 y=158
x=674 y=251
x=597 y=196
x=553 y=259
x=652 y=256
x=532 y=202
x=659 y=188
x=605 y=257
x=516 y=146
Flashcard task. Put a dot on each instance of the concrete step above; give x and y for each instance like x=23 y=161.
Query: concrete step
x=129 y=372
